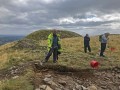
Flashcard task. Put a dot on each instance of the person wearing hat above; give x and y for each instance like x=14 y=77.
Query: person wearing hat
x=87 y=43
x=54 y=46
x=104 y=40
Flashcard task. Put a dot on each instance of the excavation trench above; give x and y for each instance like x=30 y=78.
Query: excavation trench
x=103 y=79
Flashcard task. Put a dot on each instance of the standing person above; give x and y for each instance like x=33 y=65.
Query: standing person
x=54 y=46
x=103 y=40
x=87 y=43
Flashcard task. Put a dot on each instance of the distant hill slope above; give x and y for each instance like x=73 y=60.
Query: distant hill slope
x=43 y=34
x=9 y=38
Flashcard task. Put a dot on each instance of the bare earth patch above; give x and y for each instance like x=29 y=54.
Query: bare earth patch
x=108 y=79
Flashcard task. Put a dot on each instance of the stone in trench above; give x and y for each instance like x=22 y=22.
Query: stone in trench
x=109 y=76
x=78 y=81
x=119 y=77
x=37 y=89
x=103 y=83
x=48 y=76
x=119 y=87
x=78 y=87
x=106 y=78
x=62 y=83
x=54 y=84
x=92 y=87
x=48 y=88
x=84 y=88
x=104 y=87
x=48 y=80
x=15 y=77
x=58 y=89
x=42 y=87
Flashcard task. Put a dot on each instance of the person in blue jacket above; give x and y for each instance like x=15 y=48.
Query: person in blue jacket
x=87 y=43
x=104 y=40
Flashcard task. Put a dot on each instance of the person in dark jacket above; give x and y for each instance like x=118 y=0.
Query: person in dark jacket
x=87 y=43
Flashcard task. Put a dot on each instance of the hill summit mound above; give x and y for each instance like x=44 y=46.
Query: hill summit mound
x=43 y=34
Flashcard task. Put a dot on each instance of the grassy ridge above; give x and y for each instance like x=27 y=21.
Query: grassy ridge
x=43 y=34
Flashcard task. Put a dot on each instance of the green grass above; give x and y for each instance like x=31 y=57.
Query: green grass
x=20 y=83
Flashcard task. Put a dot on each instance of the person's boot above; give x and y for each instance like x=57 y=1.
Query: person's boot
x=54 y=61
x=103 y=55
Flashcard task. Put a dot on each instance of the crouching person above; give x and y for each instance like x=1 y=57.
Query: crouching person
x=54 y=46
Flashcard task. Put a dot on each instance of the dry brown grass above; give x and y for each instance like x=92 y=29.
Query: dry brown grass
x=74 y=52
x=72 y=55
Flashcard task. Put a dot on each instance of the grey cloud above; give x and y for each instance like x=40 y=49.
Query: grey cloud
x=35 y=14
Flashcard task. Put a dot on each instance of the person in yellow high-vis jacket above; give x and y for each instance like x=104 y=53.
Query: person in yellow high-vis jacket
x=54 y=46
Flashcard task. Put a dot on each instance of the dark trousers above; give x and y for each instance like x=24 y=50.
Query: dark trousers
x=103 y=47
x=55 y=54
x=85 y=48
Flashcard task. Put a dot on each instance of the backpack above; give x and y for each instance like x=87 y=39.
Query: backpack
x=100 y=38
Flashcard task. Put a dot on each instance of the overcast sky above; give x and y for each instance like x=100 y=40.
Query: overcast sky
x=22 y=17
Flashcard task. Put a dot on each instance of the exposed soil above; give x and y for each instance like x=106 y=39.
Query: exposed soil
x=67 y=78
x=108 y=79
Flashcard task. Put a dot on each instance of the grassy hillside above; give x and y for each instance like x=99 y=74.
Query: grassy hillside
x=73 y=55
x=43 y=34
